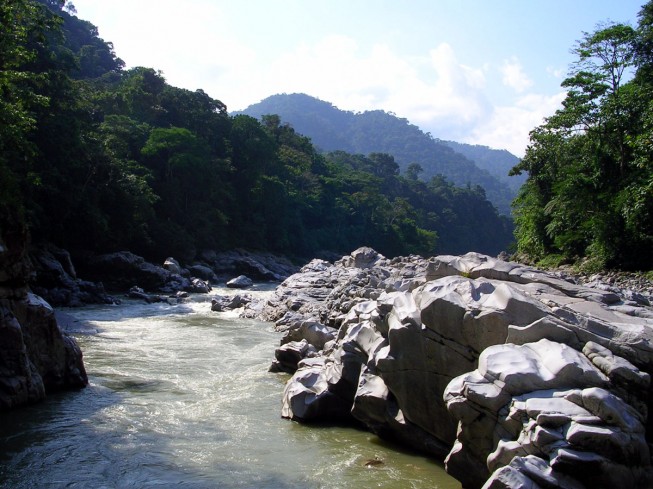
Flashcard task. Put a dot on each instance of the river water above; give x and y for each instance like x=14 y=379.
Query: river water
x=180 y=396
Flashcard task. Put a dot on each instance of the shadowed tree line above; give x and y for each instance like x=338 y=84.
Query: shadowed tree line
x=96 y=157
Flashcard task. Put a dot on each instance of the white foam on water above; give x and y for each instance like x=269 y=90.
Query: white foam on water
x=181 y=396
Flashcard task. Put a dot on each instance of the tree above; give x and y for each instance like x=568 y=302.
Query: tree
x=23 y=25
x=413 y=171
x=586 y=164
x=95 y=156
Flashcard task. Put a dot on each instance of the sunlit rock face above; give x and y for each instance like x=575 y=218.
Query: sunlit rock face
x=550 y=401
x=511 y=373
x=36 y=358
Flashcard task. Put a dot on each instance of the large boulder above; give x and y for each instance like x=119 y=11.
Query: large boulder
x=240 y=282
x=489 y=334
x=258 y=266
x=548 y=401
x=55 y=279
x=122 y=270
x=36 y=357
x=172 y=266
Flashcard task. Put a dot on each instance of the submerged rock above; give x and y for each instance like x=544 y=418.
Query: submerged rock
x=221 y=303
x=512 y=373
x=138 y=293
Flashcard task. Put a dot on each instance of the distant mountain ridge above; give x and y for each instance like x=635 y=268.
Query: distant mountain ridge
x=333 y=129
x=498 y=162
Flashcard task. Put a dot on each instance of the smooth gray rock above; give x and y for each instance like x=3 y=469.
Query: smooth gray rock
x=361 y=258
x=240 y=282
x=313 y=332
x=559 y=406
x=491 y=360
x=290 y=354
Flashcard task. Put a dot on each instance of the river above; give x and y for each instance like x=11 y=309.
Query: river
x=180 y=396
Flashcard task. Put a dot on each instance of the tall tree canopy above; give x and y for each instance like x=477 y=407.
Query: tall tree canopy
x=96 y=157
x=589 y=192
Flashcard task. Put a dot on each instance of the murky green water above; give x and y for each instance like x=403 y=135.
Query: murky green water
x=180 y=397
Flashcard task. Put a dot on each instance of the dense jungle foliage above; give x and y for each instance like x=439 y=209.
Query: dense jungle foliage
x=589 y=193
x=97 y=157
x=332 y=129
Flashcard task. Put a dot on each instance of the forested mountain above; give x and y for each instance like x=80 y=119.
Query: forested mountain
x=94 y=157
x=333 y=129
x=589 y=193
x=497 y=162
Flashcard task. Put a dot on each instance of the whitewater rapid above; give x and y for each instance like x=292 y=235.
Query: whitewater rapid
x=180 y=396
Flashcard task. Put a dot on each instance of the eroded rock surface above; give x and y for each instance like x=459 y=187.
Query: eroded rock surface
x=514 y=374
x=36 y=358
x=54 y=278
x=257 y=266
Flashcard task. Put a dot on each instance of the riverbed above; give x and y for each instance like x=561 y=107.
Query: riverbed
x=181 y=396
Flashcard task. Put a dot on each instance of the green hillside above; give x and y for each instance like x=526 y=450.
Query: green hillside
x=377 y=131
x=98 y=158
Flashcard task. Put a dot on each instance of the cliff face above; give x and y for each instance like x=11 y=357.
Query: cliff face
x=36 y=358
x=518 y=377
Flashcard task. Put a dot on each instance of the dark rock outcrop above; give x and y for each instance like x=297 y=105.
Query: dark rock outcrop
x=514 y=374
x=126 y=271
x=36 y=358
x=122 y=270
x=257 y=266
x=55 y=279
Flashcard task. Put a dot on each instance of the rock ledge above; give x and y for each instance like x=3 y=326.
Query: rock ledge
x=518 y=377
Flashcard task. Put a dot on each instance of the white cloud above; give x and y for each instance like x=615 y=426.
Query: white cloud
x=556 y=72
x=509 y=126
x=165 y=35
x=336 y=69
x=433 y=90
x=514 y=76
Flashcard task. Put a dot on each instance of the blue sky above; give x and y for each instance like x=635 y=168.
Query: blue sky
x=474 y=71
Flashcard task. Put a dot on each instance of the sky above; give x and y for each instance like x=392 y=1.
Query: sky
x=474 y=71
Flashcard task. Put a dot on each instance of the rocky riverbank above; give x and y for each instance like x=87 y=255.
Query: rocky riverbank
x=36 y=358
x=518 y=377
x=60 y=283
